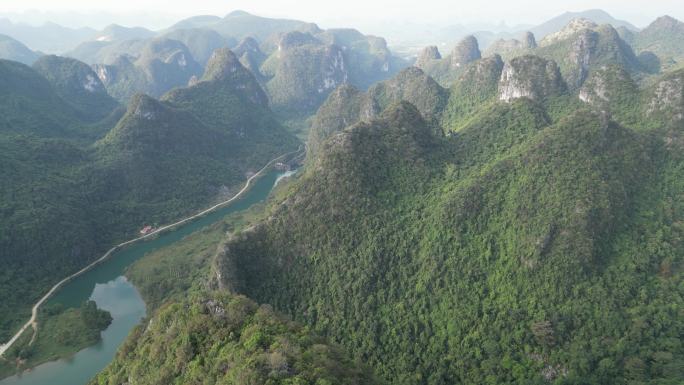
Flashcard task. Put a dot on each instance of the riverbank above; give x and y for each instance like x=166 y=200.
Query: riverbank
x=124 y=245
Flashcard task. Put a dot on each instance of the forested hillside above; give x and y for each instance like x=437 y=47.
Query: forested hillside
x=515 y=217
x=217 y=338
x=538 y=241
x=77 y=187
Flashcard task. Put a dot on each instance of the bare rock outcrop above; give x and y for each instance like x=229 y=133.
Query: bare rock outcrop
x=427 y=55
x=465 y=52
x=667 y=98
x=530 y=77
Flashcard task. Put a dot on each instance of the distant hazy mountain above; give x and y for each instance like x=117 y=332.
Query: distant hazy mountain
x=579 y=48
x=596 y=15
x=48 y=38
x=556 y=24
x=106 y=52
x=240 y=24
x=201 y=42
x=298 y=63
x=116 y=32
x=251 y=56
x=664 y=37
x=201 y=21
x=445 y=38
x=11 y=49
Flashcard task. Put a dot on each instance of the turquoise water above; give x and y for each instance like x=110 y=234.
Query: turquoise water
x=106 y=285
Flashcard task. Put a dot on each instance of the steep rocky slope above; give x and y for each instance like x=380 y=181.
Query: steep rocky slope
x=77 y=84
x=666 y=100
x=530 y=77
x=583 y=46
x=347 y=105
x=307 y=66
x=446 y=70
x=161 y=65
x=512 y=47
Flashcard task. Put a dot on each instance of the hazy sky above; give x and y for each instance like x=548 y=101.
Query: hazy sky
x=354 y=13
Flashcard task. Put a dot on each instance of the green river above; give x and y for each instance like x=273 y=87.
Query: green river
x=109 y=288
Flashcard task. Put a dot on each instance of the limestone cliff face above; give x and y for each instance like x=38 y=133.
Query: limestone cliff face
x=382 y=57
x=166 y=64
x=78 y=85
x=530 y=77
x=667 y=99
x=611 y=91
x=447 y=70
x=122 y=78
x=466 y=51
x=427 y=55
x=575 y=25
x=529 y=40
x=162 y=65
x=594 y=91
x=368 y=58
x=606 y=85
x=69 y=75
x=303 y=72
x=512 y=46
x=583 y=47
